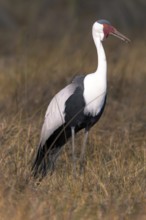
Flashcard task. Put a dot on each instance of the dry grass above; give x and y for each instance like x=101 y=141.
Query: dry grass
x=113 y=185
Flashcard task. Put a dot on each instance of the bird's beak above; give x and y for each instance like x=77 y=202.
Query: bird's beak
x=117 y=34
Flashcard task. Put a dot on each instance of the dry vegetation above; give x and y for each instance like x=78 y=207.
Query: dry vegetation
x=113 y=185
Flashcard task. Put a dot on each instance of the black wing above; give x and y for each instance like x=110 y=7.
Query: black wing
x=74 y=106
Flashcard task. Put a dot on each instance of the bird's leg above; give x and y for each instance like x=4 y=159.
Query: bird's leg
x=73 y=151
x=82 y=156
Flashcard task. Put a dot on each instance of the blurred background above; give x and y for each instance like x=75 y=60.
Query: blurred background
x=49 y=19
x=38 y=39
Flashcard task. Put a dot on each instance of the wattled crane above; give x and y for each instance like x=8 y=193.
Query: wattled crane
x=77 y=106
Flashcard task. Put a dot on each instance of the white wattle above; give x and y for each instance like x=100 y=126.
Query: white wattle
x=95 y=84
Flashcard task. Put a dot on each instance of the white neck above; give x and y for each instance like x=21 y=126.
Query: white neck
x=102 y=64
x=95 y=84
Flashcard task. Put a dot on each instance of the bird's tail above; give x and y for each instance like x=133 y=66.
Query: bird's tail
x=44 y=162
x=49 y=152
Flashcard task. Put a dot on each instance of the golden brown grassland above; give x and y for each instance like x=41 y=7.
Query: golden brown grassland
x=113 y=185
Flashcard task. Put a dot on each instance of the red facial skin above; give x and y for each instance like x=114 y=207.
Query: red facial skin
x=110 y=30
x=107 y=29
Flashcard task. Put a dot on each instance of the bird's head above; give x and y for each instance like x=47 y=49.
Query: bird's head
x=102 y=29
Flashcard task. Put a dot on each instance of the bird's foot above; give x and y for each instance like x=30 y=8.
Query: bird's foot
x=82 y=166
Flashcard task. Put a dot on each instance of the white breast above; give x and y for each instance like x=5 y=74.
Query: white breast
x=94 y=94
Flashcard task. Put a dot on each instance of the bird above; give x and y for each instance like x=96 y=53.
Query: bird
x=77 y=106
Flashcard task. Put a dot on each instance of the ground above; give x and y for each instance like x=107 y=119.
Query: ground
x=113 y=184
